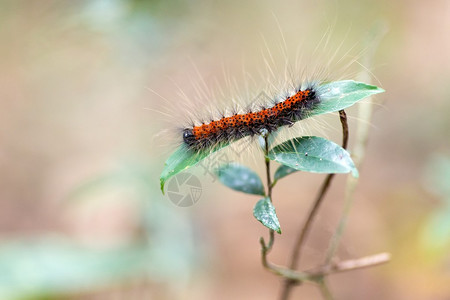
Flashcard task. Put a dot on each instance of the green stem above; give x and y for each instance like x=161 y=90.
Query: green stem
x=268 y=247
x=324 y=290
x=267 y=161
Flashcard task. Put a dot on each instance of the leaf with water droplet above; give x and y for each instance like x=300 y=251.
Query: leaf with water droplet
x=264 y=212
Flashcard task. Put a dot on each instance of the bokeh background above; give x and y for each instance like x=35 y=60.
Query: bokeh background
x=81 y=214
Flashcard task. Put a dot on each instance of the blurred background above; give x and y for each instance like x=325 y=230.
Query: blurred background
x=85 y=88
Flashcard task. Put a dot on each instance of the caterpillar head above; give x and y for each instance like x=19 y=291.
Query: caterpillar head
x=188 y=137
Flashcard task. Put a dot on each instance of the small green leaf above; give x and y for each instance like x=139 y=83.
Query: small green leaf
x=338 y=95
x=183 y=159
x=313 y=154
x=283 y=171
x=264 y=212
x=240 y=178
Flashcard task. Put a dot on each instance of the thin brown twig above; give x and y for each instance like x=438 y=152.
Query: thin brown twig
x=343 y=119
x=307 y=226
x=317 y=274
x=354 y=264
x=288 y=284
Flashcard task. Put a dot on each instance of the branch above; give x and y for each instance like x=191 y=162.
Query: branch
x=278 y=270
x=307 y=226
x=349 y=265
x=313 y=212
x=317 y=275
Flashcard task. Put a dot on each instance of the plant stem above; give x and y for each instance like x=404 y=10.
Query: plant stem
x=267 y=160
x=307 y=226
x=288 y=284
x=318 y=274
x=324 y=290
x=266 y=248
x=343 y=118
x=354 y=264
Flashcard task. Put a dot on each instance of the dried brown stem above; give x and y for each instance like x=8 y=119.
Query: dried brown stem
x=316 y=275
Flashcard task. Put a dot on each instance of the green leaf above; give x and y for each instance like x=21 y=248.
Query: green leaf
x=183 y=159
x=338 y=95
x=240 y=178
x=313 y=154
x=265 y=213
x=283 y=171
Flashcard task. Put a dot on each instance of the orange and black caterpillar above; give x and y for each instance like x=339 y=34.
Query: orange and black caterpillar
x=228 y=129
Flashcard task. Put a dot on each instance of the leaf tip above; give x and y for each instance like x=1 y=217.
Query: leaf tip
x=378 y=90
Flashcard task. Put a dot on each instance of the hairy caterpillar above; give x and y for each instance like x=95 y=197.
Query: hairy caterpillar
x=228 y=129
